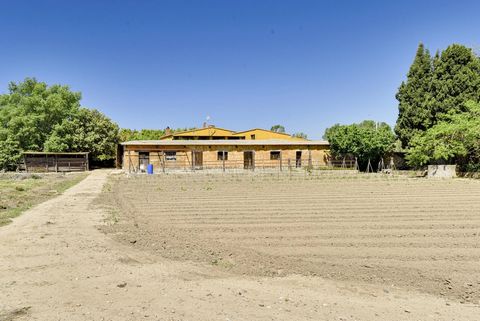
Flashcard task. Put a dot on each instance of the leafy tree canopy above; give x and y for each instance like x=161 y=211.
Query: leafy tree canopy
x=436 y=88
x=300 y=135
x=9 y=153
x=31 y=109
x=366 y=140
x=38 y=117
x=127 y=134
x=456 y=139
x=89 y=130
x=278 y=129
x=456 y=80
x=415 y=98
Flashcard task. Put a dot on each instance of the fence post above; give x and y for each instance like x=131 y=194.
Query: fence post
x=253 y=161
x=280 y=161
x=163 y=162
x=223 y=160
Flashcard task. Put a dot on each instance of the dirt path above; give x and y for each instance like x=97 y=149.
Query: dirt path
x=56 y=265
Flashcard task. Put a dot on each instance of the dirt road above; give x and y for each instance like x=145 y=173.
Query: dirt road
x=55 y=264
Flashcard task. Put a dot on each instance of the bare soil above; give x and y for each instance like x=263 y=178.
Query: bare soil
x=245 y=249
x=414 y=234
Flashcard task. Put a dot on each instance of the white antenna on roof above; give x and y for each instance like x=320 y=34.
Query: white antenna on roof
x=205 y=124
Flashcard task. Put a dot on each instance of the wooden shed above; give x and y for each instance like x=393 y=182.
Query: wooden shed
x=54 y=162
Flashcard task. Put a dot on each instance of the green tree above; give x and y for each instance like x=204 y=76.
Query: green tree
x=415 y=98
x=127 y=134
x=143 y=134
x=278 y=129
x=9 y=153
x=31 y=109
x=456 y=80
x=300 y=135
x=456 y=139
x=89 y=130
x=367 y=140
x=28 y=114
x=436 y=89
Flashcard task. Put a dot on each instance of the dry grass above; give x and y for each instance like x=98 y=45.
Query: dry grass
x=18 y=192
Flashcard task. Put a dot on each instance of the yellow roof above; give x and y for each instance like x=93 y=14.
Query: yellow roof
x=222 y=132
x=207 y=131
x=265 y=134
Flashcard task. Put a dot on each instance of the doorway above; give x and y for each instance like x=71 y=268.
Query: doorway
x=298 y=159
x=197 y=160
x=143 y=161
x=249 y=160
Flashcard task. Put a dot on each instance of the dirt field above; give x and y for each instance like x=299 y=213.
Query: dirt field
x=242 y=262
x=415 y=234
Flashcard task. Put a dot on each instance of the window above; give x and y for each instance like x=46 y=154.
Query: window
x=221 y=157
x=171 y=156
x=252 y=136
x=275 y=155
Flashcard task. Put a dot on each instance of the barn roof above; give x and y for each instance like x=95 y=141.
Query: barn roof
x=222 y=142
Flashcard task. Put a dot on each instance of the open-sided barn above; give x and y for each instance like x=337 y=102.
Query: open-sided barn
x=54 y=162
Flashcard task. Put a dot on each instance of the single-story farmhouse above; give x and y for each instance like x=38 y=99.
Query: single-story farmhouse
x=210 y=148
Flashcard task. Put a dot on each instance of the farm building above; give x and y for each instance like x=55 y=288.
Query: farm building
x=211 y=147
x=54 y=162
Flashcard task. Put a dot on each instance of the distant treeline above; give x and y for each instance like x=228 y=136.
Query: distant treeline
x=147 y=134
x=38 y=117
x=438 y=117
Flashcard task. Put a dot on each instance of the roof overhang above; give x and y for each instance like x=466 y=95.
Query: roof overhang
x=228 y=142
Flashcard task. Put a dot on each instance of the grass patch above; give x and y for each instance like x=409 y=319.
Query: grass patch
x=19 y=192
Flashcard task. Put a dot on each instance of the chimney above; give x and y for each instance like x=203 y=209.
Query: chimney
x=167 y=131
x=204 y=124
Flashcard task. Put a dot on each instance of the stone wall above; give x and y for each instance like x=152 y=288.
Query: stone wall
x=442 y=171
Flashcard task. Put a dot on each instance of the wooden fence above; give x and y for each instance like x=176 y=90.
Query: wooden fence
x=162 y=164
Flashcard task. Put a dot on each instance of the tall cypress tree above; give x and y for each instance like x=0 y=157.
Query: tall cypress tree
x=415 y=98
x=456 y=79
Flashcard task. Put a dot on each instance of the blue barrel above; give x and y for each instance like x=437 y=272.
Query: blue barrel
x=150 y=169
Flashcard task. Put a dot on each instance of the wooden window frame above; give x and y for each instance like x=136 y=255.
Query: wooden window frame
x=220 y=154
x=277 y=153
x=171 y=155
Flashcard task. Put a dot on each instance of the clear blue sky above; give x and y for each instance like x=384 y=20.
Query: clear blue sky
x=303 y=64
